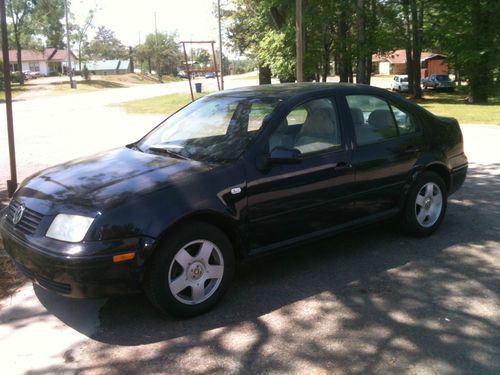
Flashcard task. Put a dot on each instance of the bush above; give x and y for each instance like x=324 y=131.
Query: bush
x=15 y=77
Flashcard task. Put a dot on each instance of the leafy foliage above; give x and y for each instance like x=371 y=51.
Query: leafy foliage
x=105 y=46
x=348 y=32
x=160 y=52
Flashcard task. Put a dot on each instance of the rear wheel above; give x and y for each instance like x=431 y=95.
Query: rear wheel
x=191 y=271
x=426 y=204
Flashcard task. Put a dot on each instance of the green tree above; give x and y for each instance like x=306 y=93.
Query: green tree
x=20 y=13
x=47 y=21
x=467 y=32
x=80 y=36
x=161 y=52
x=105 y=46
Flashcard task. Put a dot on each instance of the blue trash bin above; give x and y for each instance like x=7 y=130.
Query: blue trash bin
x=197 y=87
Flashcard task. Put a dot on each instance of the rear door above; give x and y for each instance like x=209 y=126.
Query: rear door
x=388 y=142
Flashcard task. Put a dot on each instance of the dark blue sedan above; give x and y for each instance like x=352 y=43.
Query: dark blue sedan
x=235 y=175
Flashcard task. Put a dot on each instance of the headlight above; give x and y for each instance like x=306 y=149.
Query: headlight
x=70 y=228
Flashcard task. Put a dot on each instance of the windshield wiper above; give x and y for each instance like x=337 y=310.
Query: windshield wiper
x=133 y=146
x=167 y=151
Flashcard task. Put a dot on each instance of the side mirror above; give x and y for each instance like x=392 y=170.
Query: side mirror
x=284 y=155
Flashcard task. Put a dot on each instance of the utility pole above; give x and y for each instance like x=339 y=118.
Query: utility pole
x=157 y=52
x=12 y=183
x=70 y=71
x=298 y=41
x=220 y=47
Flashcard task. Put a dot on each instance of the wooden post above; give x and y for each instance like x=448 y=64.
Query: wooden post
x=298 y=39
x=215 y=66
x=188 y=71
x=12 y=183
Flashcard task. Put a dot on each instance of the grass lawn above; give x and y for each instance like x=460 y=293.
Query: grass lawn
x=85 y=86
x=100 y=82
x=134 y=79
x=17 y=89
x=453 y=104
x=164 y=104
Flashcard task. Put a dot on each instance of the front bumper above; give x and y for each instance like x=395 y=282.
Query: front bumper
x=79 y=276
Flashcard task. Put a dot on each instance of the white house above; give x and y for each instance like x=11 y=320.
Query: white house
x=50 y=61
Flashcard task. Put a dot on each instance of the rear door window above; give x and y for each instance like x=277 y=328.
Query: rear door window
x=372 y=119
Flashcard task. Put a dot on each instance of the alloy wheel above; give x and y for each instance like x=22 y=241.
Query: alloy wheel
x=428 y=204
x=196 y=272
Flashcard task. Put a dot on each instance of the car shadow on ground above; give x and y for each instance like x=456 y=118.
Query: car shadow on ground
x=372 y=301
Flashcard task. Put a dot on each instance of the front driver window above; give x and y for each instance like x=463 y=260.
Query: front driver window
x=311 y=127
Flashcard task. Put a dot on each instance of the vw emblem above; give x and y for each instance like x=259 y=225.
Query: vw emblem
x=18 y=214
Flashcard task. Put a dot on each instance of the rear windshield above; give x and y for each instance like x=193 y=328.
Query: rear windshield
x=442 y=77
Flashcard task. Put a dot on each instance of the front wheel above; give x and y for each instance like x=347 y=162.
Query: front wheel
x=426 y=205
x=191 y=271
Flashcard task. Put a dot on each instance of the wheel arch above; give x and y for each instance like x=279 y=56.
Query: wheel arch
x=220 y=221
x=441 y=170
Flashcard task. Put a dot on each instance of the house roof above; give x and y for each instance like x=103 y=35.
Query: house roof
x=61 y=55
x=108 y=65
x=399 y=56
x=26 y=55
x=103 y=65
x=124 y=64
x=49 y=54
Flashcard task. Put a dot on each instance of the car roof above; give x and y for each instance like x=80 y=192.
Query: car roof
x=288 y=90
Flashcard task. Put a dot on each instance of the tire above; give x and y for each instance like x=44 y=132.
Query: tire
x=425 y=205
x=179 y=280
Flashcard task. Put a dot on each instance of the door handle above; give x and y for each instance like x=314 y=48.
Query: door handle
x=342 y=165
x=412 y=150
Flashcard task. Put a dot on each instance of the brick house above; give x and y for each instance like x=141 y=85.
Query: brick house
x=395 y=63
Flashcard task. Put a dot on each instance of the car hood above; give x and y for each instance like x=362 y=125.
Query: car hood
x=105 y=179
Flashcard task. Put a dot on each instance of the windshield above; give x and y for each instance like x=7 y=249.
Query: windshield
x=442 y=77
x=404 y=79
x=213 y=128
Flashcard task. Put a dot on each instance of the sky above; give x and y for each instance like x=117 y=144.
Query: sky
x=131 y=20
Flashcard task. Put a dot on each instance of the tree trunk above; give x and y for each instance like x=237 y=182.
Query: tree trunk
x=80 y=57
x=409 y=60
x=343 y=58
x=361 y=61
x=478 y=75
x=417 y=18
x=150 y=68
x=264 y=75
x=368 y=69
x=325 y=71
x=19 y=59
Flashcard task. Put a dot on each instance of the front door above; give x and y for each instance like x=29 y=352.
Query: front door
x=287 y=202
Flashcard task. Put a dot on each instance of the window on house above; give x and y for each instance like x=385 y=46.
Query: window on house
x=34 y=67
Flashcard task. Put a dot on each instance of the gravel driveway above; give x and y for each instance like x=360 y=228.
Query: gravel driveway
x=372 y=302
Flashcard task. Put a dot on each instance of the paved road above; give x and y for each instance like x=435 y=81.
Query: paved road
x=375 y=302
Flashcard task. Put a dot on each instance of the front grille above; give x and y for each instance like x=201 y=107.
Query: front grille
x=25 y=271
x=29 y=221
x=53 y=285
x=44 y=281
